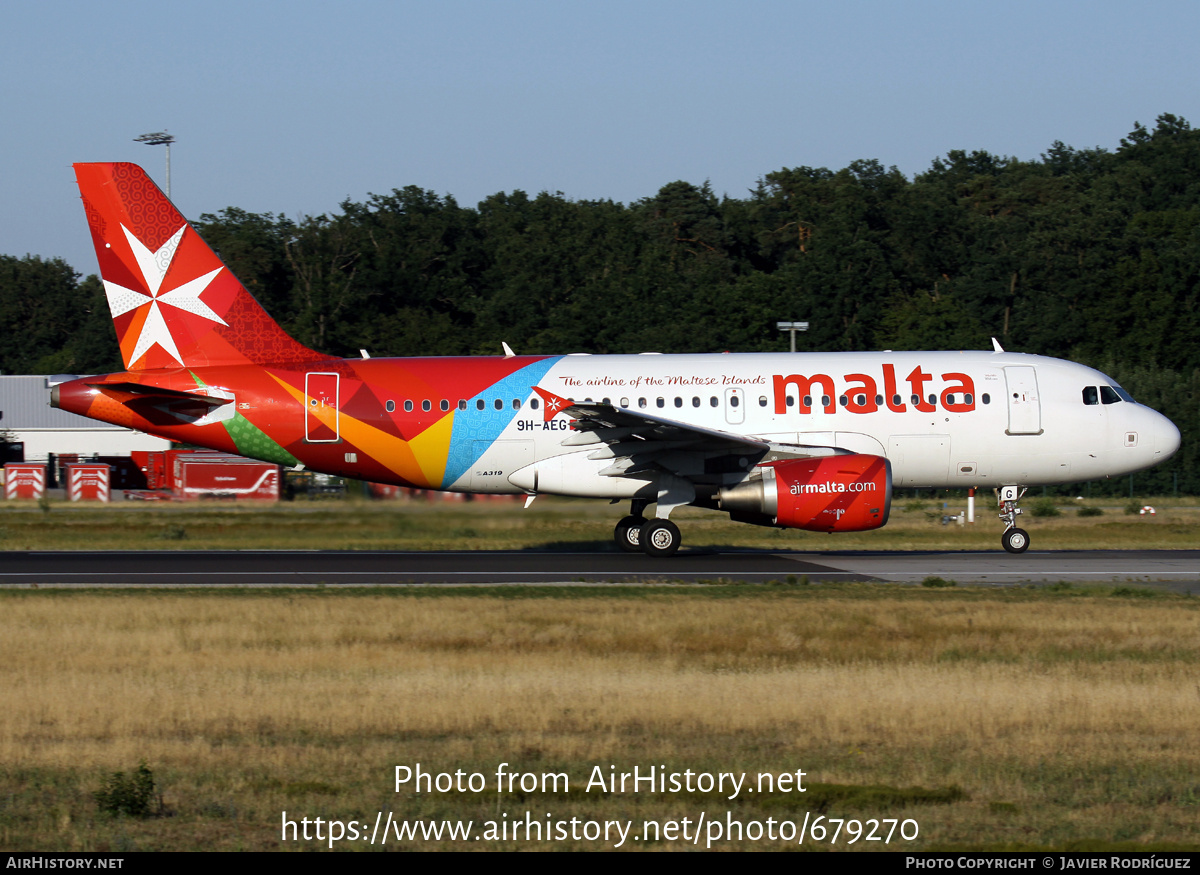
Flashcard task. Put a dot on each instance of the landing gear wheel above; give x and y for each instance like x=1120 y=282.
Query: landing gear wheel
x=628 y=534
x=660 y=538
x=1015 y=540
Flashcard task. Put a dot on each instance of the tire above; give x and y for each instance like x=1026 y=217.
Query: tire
x=1015 y=540
x=660 y=538
x=627 y=534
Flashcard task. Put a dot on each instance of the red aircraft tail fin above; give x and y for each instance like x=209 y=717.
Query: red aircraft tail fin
x=173 y=302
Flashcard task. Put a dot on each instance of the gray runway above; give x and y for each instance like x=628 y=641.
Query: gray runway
x=1180 y=569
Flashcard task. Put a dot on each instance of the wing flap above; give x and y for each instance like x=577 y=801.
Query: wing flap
x=635 y=442
x=612 y=425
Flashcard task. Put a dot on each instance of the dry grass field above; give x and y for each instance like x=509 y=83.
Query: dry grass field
x=1053 y=718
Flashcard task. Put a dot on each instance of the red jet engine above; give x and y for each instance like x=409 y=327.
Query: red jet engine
x=851 y=493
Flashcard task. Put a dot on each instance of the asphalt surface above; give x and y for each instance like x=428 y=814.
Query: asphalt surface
x=1179 y=569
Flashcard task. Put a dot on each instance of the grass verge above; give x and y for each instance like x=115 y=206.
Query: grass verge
x=989 y=718
x=550 y=524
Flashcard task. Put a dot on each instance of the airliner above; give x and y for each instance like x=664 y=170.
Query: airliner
x=813 y=441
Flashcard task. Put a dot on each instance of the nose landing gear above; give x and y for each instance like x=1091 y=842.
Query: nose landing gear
x=1015 y=540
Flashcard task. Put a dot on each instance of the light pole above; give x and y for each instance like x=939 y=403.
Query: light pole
x=160 y=138
x=792 y=328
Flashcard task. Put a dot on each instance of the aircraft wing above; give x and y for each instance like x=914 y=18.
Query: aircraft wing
x=637 y=441
x=603 y=423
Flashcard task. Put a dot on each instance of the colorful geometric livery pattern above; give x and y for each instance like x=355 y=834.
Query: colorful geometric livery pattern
x=173 y=303
x=207 y=365
x=387 y=421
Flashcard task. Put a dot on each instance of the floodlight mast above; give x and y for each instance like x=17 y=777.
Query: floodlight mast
x=792 y=328
x=160 y=138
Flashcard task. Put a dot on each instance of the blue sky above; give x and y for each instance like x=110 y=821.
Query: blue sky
x=293 y=107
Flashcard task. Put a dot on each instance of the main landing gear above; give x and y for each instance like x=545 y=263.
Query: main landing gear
x=628 y=534
x=636 y=534
x=1014 y=540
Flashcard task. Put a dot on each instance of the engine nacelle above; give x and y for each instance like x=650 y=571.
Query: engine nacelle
x=849 y=493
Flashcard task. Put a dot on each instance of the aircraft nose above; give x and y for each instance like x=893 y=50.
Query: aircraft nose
x=1166 y=438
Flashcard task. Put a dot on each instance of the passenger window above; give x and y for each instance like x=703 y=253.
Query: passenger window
x=968 y=398
x=985 y=398
x=480 y=404
x=641 y=402
x=824 y=400
x=516 y=404
x=624 y=402
x=695 y=401
x=896 y=401
x=713 y=402
x=462 y=403
x=933 y=400
x=445 y=404
x=807 y=401
x=533 y=404
x=733 y=400
x=1091 y=395
x=660 y=402
x=407 y=406
x=678 y=401
x=843 y=400
x=762 y=400
x=789 y=401
x=425 y=405
x=1108 y=395
x=498 y=404
x=390 y=406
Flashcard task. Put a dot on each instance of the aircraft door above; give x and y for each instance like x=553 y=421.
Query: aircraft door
x=1024 y=409
x=321 y=408
x=735 y=406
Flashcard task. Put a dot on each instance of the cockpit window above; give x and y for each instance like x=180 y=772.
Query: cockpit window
x=1125 y=396
x=1091 y=395
x=1108 y=395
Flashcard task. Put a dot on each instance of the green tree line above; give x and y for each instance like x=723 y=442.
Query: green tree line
x=1091 y=255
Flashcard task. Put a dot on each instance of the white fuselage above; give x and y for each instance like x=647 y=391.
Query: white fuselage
x=943 y=419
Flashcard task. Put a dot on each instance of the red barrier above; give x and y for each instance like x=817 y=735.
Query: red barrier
x=23 y=480
x=89 y=482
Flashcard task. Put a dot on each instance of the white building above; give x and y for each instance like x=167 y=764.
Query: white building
x=26 y=414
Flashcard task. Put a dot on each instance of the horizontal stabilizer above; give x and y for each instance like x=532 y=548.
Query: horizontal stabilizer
x=128 y=391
